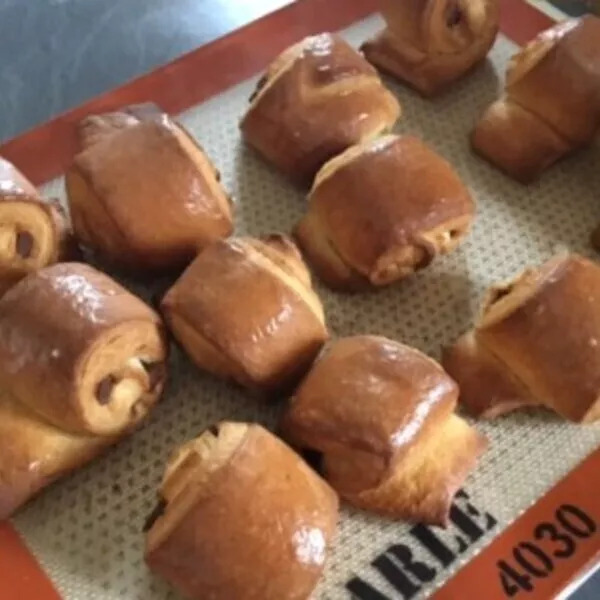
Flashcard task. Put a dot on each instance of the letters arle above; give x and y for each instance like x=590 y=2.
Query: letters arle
x=406 y=574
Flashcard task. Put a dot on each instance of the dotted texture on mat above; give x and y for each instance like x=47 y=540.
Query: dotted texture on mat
x=87 y=529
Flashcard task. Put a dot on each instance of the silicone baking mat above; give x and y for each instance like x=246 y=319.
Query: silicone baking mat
x=86 y=531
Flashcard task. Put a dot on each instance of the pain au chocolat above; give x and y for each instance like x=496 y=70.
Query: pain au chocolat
x=33 y=232
x=551 y=104
x=242 y=517
x=382 y=210
x=142 y=193
x=82 y=361
x=245 y=309
x=381 y=414
x=537 y=343
x=431 y=43
x=317 y=98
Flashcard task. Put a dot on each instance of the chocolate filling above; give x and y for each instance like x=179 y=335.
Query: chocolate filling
x=157 y=512
x=500 y=293
x=453 y=15
x=24 y=244
x=259 y=86
x=104 y=389
x=214 y=429
x=156 y=372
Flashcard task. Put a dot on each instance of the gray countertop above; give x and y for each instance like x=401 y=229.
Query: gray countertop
x=55 y=54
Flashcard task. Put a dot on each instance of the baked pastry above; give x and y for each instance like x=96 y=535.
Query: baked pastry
x=381 y=415
x=551 y=104
x=82 y=361
x=245 y=309
x=33 y=232
x=142 y=193
x=429 y=44
x=537 y=342
x=242 y=517
x=95 y=128
x=317 y=98
x=34 y=453
x=382 y=210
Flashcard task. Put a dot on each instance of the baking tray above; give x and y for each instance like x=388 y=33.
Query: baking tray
x=86 y=531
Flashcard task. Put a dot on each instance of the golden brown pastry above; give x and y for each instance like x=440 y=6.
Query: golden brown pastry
x=245 y=309
x=551 y=104
x=317 y=98
x=33 y=232
x=537 y=343
x=382 y=416
x=35 y=453
x=82 y=361
x=244 y=518
x=429 y=44
x=142 y=193
x=95 y=128
x=382 y=210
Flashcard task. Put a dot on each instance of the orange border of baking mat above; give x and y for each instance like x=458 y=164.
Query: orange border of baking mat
x=44 y=153
x=538 y=526
x=21 y=577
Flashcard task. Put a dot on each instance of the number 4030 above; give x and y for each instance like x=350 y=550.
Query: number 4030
x=571 y=524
